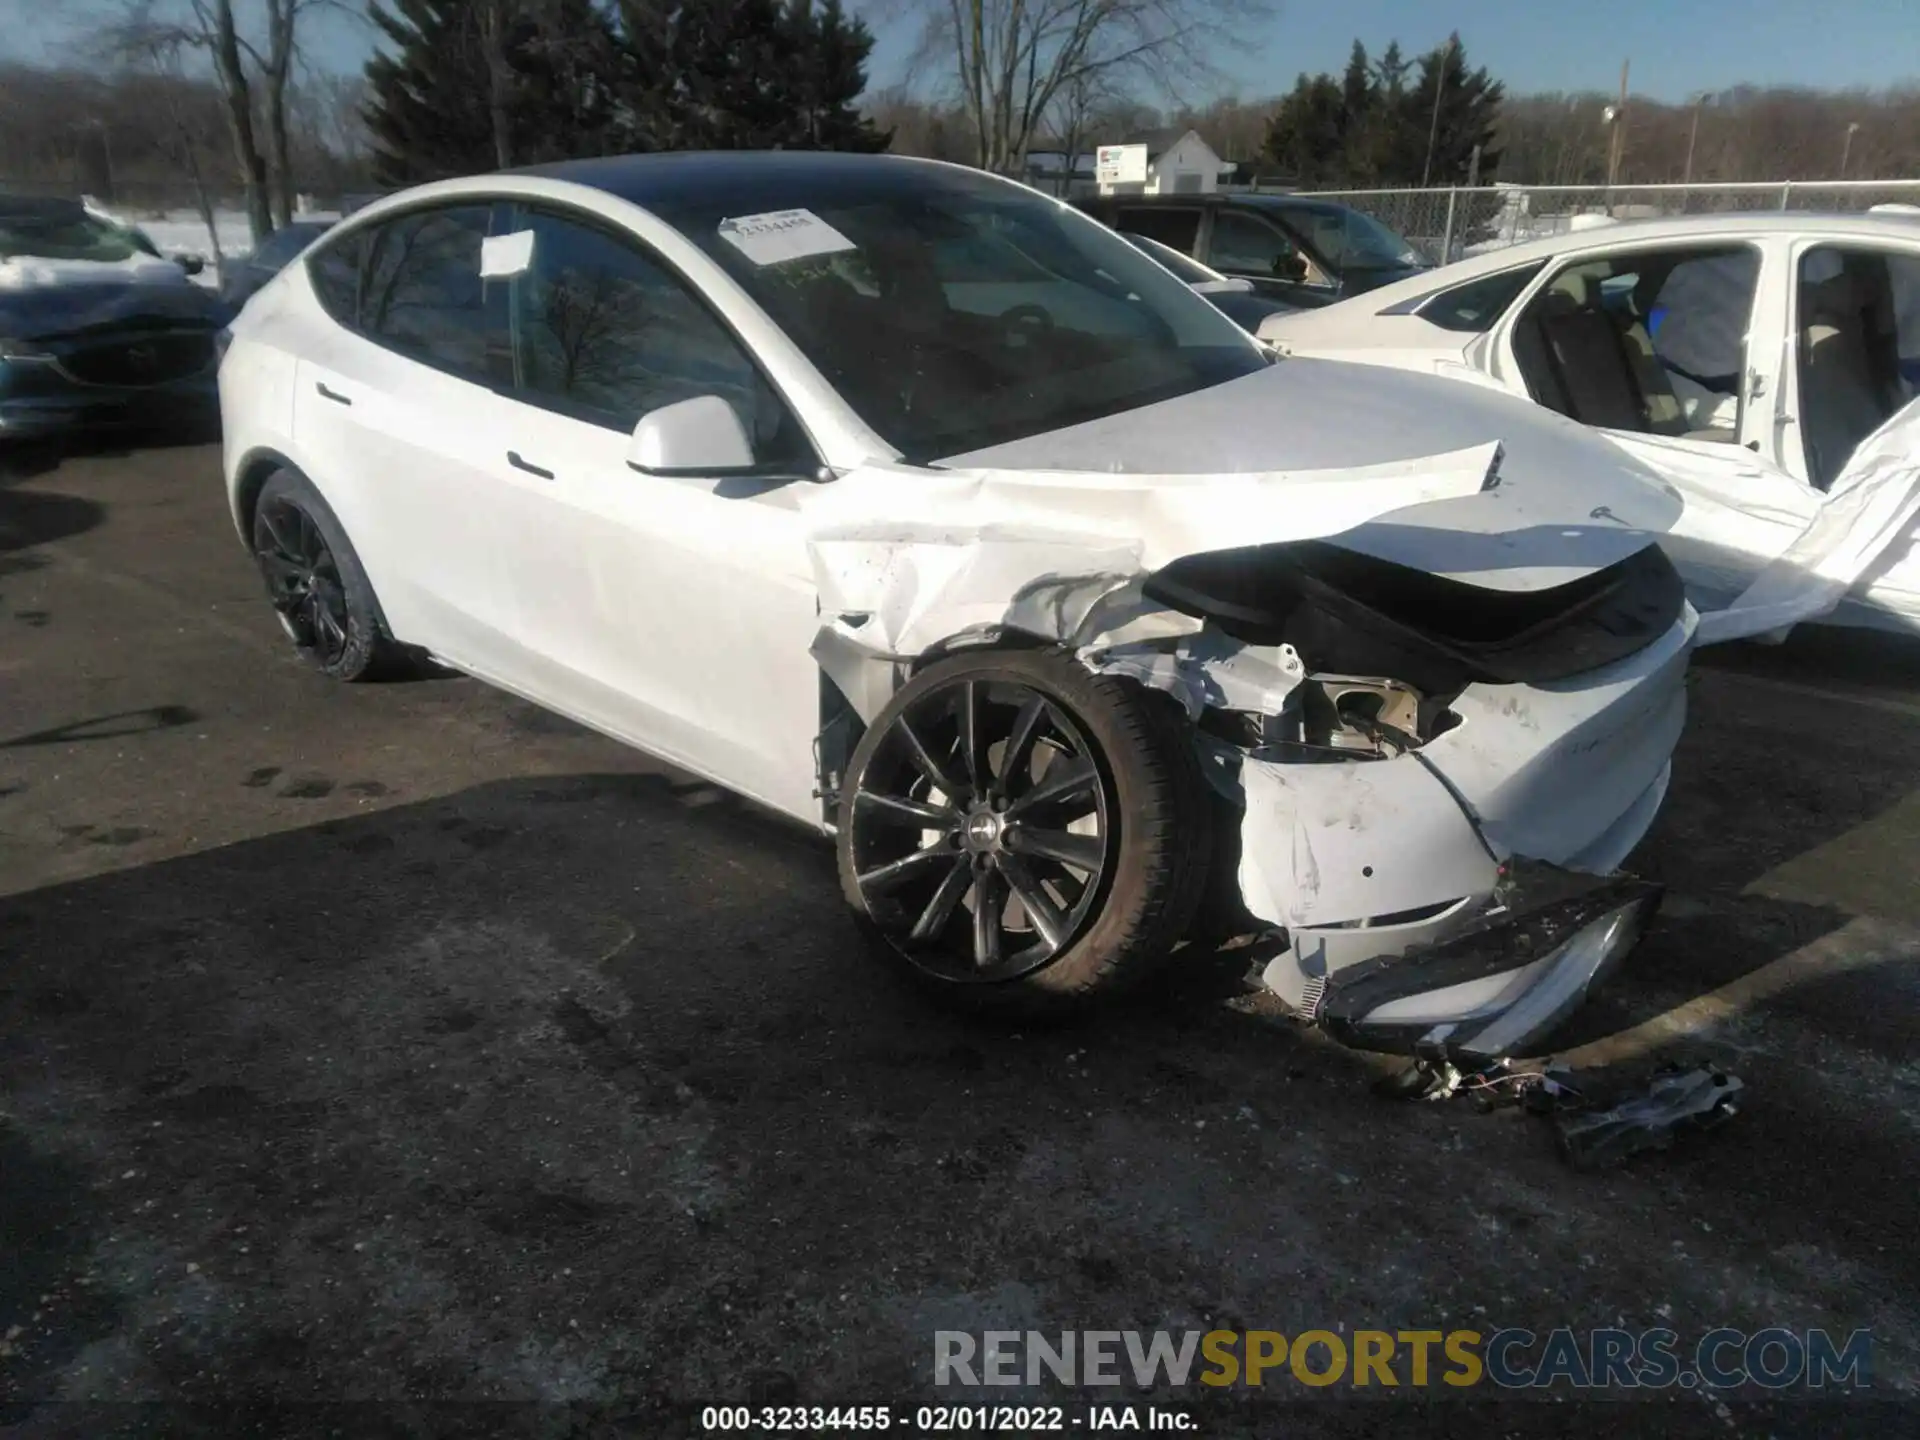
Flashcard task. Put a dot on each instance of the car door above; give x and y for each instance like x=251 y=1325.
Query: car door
x=397 y=414
x=1852 y=350
x=674 y=611
x=1674 y=350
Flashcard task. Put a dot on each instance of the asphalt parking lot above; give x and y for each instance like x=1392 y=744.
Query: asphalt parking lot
x=395 y=1046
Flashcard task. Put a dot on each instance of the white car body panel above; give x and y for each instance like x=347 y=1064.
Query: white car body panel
x=695 y=617
x=1760 y=548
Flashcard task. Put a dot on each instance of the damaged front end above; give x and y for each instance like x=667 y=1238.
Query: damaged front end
x=1435 y=781
x=1437 y=837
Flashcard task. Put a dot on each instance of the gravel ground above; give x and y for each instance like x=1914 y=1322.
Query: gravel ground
x=401 y=1060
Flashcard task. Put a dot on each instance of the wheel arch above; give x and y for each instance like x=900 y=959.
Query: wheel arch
x=251 y=475
x=843 y=721
x=249 y=478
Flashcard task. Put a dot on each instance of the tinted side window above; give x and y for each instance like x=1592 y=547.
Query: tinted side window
x=603 y=331
x=1249 y=245
x=421 y=293
x=334 y=270
x=1473 y=307
x=1168 y=224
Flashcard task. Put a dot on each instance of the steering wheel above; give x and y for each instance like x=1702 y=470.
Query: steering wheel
x=1023 y=324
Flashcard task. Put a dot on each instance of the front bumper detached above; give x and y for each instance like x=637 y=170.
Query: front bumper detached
x=1510 y=973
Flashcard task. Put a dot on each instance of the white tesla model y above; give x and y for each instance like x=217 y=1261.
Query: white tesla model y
x=910 y=502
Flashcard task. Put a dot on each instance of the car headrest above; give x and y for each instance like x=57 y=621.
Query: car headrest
x=1574 y=289
x=1835 y=301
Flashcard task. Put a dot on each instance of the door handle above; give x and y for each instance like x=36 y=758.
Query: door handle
x=514 y=459
x=333 y=395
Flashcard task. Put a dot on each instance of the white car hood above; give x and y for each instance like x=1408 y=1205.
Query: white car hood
x=34 y=272
x=1566 y=503
x=1848 y=534
x=1053 y=536
x=1357 y=322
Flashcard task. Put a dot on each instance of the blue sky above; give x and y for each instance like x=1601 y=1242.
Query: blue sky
x=1677 y=46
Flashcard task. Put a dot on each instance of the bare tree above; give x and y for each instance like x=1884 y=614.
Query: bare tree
x=158 y=53
x=210 y=29
x=1072 y=119
x=1011 y=59
x=276 y=70
x=206 y=27
x=497 y=20
x=214 y=20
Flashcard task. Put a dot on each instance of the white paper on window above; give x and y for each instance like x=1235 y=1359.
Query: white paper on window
x=777 y=236
x=503 y=256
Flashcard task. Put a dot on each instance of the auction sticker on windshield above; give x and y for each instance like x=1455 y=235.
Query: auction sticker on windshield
x=777 y=236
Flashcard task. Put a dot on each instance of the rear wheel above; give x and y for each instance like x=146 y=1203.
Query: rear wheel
x=1017 y=831
x=315 y=581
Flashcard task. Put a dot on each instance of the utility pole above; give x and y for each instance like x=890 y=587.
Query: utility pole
x=1616 y=150
x=1693 y=136
x=1433 y=130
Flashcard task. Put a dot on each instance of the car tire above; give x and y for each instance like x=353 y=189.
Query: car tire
x=317 y=585
x=1085 y=827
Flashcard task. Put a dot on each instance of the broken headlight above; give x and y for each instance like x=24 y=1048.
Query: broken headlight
x=1337 y=717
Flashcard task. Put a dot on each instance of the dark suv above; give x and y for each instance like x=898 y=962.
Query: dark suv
x=1295 y=248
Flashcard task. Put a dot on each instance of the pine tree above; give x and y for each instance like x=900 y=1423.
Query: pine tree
x=832 y=52
x=1361 y=119
x=747 y=74
x=427 y=93
x=1307 y=135
x=1356 y=87
x=1370 y=127
x=431 y=85
x=1469 y=116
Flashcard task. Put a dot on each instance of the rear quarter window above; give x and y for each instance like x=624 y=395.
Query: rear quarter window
x=1473 y=307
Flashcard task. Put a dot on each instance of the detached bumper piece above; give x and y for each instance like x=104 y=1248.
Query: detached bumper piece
x=1514 y=971
x=1674 y=1100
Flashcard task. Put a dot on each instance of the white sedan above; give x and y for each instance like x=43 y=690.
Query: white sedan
x=1764 y=365
x=925 y=510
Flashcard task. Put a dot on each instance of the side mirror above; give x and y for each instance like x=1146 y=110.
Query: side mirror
x=698 y=436
x=192 y=264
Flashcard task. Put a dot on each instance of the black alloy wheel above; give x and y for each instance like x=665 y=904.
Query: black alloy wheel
x=303 y=579
x=982 y=831
x=318 y=588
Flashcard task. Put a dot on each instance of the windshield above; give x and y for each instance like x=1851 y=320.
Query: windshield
x=1186 y=267
x=1350 y=240
x=953 y=311
x=65 y=233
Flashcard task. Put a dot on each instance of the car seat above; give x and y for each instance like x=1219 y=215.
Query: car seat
x=1586 y=356
x=1841 y=403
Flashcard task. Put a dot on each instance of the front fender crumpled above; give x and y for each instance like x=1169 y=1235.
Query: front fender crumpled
x=908 y=559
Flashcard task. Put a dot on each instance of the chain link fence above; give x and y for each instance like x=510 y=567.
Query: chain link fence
x=1448 y=223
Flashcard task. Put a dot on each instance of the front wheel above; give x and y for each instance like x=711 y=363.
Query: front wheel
x=1017 y=831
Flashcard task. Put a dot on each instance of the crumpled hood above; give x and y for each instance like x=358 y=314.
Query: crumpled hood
x=1567 y=502
x=60 y=305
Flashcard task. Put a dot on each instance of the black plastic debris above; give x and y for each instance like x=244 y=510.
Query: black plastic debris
x=1674 y=1100
x=1598 y=1120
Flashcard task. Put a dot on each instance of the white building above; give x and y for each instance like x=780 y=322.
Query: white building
x=1177 y=162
